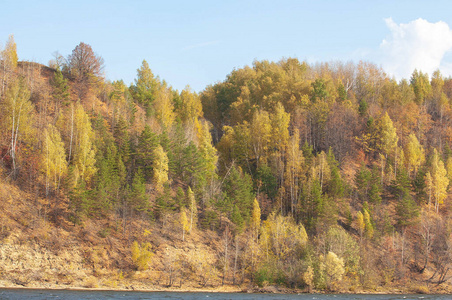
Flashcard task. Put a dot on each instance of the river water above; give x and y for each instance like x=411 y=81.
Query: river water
x=28 y=294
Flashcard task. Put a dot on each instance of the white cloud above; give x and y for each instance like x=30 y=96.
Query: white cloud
x=417 y=45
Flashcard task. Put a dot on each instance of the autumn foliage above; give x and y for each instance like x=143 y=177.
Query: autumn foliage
x=329 y=176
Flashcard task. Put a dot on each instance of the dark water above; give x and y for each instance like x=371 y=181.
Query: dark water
x=6 y=294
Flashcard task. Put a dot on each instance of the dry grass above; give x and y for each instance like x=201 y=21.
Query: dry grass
x=420 y=289
x=91 y=282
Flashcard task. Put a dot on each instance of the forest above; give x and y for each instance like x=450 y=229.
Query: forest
x=321 y=177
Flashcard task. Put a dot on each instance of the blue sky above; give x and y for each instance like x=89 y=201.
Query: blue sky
x=200 y=42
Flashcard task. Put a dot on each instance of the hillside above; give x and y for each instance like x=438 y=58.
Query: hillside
x=285 y=176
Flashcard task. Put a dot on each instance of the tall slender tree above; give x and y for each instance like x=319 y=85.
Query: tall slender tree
x=8 y=59
x=55 y=164
x=440 y=181
x=85 y=152
x=18 y=116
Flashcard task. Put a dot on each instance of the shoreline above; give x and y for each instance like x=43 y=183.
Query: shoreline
x=227 y=290
x=124 y=289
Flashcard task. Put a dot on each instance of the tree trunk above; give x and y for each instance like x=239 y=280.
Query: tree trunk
x=236 y=257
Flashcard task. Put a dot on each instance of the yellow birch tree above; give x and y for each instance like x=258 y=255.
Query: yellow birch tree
x=388 y=136
x=164 y=107
x=260 y=134
x=294 y=170
x=17 y=111
x=439 y=179
x=85 y=151
x=192 y=208
x=55 y=164
x=185 y=224
x=256 y=219
x=8 y=59
x=160 y=168
x=414 y=153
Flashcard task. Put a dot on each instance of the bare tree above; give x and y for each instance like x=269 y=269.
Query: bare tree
x=170 y=264
x=58 y=61
x=85 y=67
x=236 y=256
x=84 y=62
x=441 y=252
x=427 y=235
x=225 y=255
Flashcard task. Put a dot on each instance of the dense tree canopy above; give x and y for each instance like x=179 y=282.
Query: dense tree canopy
x=307 y=168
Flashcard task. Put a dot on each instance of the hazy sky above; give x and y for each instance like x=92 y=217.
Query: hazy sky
x=200 y=42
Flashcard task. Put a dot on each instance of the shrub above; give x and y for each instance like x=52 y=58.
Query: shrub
x=263 y=276
x=141 y=255
x=91 y=282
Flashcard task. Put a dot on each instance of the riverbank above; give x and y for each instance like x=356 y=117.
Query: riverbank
x=27 y=264
x=133 y=287
x=18 y=294
x=140 y=287
x=83 y=257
